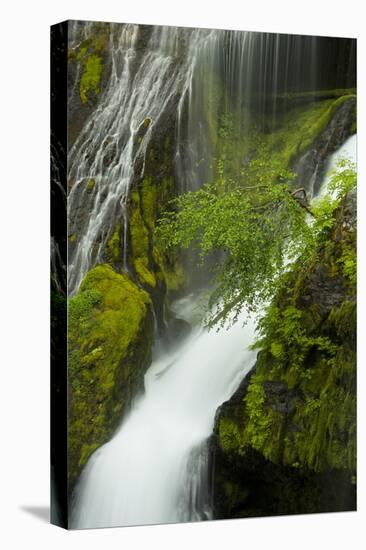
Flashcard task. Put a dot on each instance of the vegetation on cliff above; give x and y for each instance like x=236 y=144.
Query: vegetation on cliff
x=286 y=443
x=301 y=259
x=110 y=339
x=306 y=362
x=89 y=56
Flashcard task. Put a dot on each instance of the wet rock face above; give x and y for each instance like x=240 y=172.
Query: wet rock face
x=323 y=290
x=280 y=398
x=312 y=165
x=254 y=487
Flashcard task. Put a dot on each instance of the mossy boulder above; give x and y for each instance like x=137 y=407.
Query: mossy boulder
x=110 y=338
x=293 y=421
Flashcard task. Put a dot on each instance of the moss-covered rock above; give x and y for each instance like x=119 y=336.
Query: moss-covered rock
x=110 y=339
x=88 y=71
x=113 y=252
x=295 y=415
x=90 y=185
x=90 y=78
x=140 y=241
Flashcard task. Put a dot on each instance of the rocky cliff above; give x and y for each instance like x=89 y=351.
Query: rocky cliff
x=286 y=441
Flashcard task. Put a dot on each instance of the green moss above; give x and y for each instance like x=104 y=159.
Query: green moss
x=231 y=436
x=110 y=336
x=354 y=121
x=149 y=195
x=309 y=348
x=90 y=78
x=90 y=185
x=114 y=248
x=271 y=145
x=83 y=50
x=72 y=238
x=89 y=55
x=140 y=242
x=318 y=126
x=171 y=270
x=344 y=319
x=144 y=274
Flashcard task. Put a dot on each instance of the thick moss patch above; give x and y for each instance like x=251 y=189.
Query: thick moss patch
x=110 y=339
x=114 y=246
x=276 y=143
x=140 y=242
x=89 y=54
x=90 y=79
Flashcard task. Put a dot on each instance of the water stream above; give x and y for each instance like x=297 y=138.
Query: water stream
x=154 y=469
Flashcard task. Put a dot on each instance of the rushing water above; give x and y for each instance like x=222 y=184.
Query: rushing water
x=347 y=151
x=180 y=67
x=108 y=147
x=155 y=467
x=154 y=470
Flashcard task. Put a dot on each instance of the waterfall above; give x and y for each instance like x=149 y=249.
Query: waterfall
x=180 y=65
x=151 y=471
x=154 y=469
x=113 y=143
x=347 y=151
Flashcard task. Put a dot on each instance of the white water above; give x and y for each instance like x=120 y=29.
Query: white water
x=178 y=66
x=347 y=151
x=154 y=470
x=110 y=147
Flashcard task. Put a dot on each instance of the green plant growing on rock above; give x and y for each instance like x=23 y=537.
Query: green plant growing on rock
x=90 y=78
x=260 y=226
x=110 y=326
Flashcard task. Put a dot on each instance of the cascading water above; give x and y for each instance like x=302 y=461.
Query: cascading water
x=347 y=151
x=181 y=65
x=154 y=469
x=117 y=135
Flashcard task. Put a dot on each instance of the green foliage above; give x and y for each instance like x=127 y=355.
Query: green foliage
x=110 y=330
x=242 y=224
x=230 y=435
x=348 y=261
x=258 y=427
x=81 y=306
x=343 y=180
x=275 y=251
x=287 y=337
x=260 y=227
x=312 y=352
x=89 y=54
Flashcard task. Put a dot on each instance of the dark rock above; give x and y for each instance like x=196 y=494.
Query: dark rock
x=178 y=329
x=312 y=164
x=280 y=398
